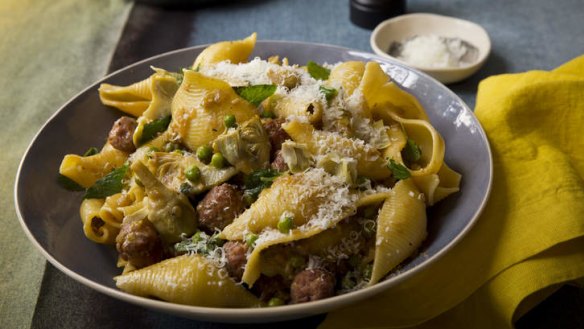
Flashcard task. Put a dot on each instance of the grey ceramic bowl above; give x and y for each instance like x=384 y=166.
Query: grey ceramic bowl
x=50 y=215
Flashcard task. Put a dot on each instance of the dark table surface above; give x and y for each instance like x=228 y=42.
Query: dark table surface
x=525 y=34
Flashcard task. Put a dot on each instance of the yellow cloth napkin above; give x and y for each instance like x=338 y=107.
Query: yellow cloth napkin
x=530 y=238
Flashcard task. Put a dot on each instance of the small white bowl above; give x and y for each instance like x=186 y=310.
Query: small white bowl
x=401 y=28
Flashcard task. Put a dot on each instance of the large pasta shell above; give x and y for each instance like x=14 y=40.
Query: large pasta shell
x=430 y=142
x=370 y=163
x=438 y=186
x=89 y=211
x=383 y=96
x=133 y=99
x=234 y=51
x=86 y=170
x=187 y=279
x=348 y=75
x=201 y=104
x=401 y=228
x=301 y=195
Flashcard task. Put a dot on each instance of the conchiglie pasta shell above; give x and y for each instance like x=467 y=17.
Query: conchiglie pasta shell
x=401 y=228
x=234 y=51
x=297 y=195
x=348 y=75
x=86 y=170
x=89 y=210
x=370 y=162
x=201 y=104
x=189 y=280
x=383 y=96
x=438 y=186
x=133 y=99
x=430 y=142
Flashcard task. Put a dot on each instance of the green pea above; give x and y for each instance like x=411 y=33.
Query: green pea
x=204 y=153
x=275 y=301
x=229 y=121
x=218 y=161
x=251 y=239
x=169 y=147
x=285 y=224
x=186 y=188
x=193 y=174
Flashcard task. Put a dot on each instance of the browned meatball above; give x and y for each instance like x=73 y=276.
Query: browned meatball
x=277 y=135
x=312 y=284
x=121 y=134
x=139 y=243
x=235 y=252
x=219 y=207
x=279 y=164
x=267 y=287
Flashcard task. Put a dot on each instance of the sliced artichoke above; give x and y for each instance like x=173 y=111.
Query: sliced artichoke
x=296 y=156
x=171 y=169
x=170 y=212
x=343 y=167
x=247 y=147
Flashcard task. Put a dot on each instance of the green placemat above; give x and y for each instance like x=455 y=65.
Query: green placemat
x=49 y=51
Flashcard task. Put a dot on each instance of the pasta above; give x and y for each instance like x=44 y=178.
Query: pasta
x=252 y=183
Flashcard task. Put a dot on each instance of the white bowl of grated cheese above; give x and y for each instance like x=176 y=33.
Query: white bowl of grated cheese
x=448 y=49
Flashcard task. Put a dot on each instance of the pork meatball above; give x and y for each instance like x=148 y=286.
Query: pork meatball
x=236 y=255
x=139 y=243
x=312 y=284
x=276 y=133
x=120 y=136
x=219 y=207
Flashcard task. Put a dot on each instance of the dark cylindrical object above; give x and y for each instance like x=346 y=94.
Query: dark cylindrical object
x=369 y=13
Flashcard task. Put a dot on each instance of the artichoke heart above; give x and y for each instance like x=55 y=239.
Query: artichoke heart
x=247 y=147
x=343 y=167
x=296 y=156
x=170 y=212
x=170 y=169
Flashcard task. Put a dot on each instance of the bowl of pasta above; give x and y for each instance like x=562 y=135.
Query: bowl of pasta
x=253 y=181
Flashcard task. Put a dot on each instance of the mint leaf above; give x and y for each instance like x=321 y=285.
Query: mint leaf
x=109 y=184
x=255 y=94
x=258 y=180
x=398 y=170
x=69 y=184
x=152 y=129
x=329 y=93
x=316 y=71
x=411 y=152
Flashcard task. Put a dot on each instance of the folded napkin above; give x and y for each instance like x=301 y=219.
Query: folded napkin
x=49 y=51
x=530 y=238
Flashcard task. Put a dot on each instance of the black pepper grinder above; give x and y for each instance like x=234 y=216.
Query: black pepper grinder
x=369 y=13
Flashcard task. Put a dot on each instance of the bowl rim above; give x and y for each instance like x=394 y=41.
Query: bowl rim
x=483 y=55
x=264 y=314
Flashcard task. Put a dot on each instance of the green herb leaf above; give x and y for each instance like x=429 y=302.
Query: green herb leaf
x=91 y=151
x=257 y=181
x=110 y=184
x=398 y=170
x=255 y=94
x=316 y=71
x=329 y=93
x=411 y=152
x=151 y=129
x=69 y=184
